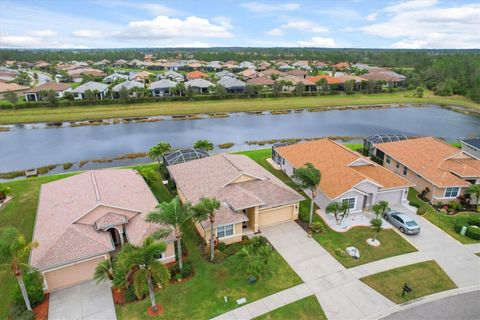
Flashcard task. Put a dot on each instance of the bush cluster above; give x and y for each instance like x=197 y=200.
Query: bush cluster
x=472 y=223
x=18 y=311
x=187 y=270
x=317 y=227
x=129 y=295
x=34 y=284
x=473 y=232
x=421 y=211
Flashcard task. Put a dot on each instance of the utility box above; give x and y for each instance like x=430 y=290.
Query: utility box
x=463 y=231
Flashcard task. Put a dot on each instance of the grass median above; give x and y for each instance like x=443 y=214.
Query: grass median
x=59 y=114
x=306 y=309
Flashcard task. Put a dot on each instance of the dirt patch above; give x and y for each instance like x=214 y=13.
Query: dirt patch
x=41 y=311
x=153 y=313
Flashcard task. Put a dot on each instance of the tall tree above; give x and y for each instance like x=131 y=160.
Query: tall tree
x=308 y=177
x=172 y=215
x=14 y=248
x=380 y=208
x=12 y=98
x=376 y=225
x=140 y=264
x=158 y=150
x=203 y=145
x=206 y=209
x=104 y=271
x=52 y=98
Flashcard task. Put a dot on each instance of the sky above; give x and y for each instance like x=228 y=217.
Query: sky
x=409 y=24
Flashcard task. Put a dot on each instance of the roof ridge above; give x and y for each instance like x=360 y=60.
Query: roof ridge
x=95 y=186
x=229 y=161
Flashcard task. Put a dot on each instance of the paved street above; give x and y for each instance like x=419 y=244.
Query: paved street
x=464 y=306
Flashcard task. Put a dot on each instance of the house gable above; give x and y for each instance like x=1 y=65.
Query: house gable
x=360 y=162
x=243 y=178
x=101 y=210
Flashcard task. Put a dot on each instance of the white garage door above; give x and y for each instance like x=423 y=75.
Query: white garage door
x=275 y=216
x=393 y=197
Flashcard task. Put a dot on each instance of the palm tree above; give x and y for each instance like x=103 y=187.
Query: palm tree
x=376 y=224
x=139 y=267
x=205 y=209
x=13 y=249
x=308 y=177
x=173 y=214
x=158 y=150
x=380 y=208
x=104 y=271
x=333 y=207
x=203 y=145
x=475 y=190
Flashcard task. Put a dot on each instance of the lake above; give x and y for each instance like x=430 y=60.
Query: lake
x=29 y=148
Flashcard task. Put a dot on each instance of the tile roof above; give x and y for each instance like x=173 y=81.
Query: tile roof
x=64 y=238
x=214 y=177
x=5 y=87
x=91 y=85
x=196 y=75
x=199 y=83
x=434 y=160
x=261 y=81
x=297 y=72
x=229 y=82
x=129 y=84
x=334 y=160
x=162 y=84
x=55 y=86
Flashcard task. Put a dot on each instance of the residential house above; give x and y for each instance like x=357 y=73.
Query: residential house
x=59 y=88
x=100 y=90
x=232 y=85
x=248 y=74
x=213 y=66
x=196 y=75
x=148 y=57
x=261 y=81
x=7 y=75
x=293 y=80
x=472 y=147
x=129 y=85
x=102 y=63
x=162 y=87
x=251 y=197
x=439 y=170
x=120 y=63
x=298 y=73
x=12 y=87
x=172 y=75
x=285 y=67
x=391 y=78
x=320 y=65
x=224 y=73
x=115 y=77
x=246 y=65
x=85 y=219
x=347 y=176
x=262 y=66
x=199 y=85
x=341 y=66
x=41 y=64
x=273 y=72
x=77 y=74
x=142 y=76
x=183 y=155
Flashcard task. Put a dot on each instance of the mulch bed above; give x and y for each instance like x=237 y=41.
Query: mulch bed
x=304 y=225
x=152 y=313
x=41 y=311
x=118 y=297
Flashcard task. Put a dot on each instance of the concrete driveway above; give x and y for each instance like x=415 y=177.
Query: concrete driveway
x=82 y=302
x=455 y=258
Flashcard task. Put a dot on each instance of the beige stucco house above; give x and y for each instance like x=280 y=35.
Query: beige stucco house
x=250 y=196
x=84 y=219
x=430 y=163
x=347 y=176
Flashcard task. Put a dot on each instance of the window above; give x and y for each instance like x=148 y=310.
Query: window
x=225 y=231
x=388 y=159
x=405 y=171
x=160 y=256
x=350 y=201
x=398 y=165
x=451 y=192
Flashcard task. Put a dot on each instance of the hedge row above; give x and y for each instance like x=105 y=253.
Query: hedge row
x=472 y=222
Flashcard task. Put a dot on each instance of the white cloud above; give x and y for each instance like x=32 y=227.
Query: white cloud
x=163 y=27
x=194 y=44
x=155 y=9
x=300 y=25
x=21 y=41
x=47 y=33
x=371 y=17
x=87 y=33
x=275 y=32
x=319 y=42
x=416 y=27
x=259 y=7
x=410 y=5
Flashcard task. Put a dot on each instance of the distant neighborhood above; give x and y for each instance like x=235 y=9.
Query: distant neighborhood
x=135 y=79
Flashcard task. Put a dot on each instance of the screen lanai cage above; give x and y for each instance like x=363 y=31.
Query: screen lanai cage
x=183 y=155
x=370 y=142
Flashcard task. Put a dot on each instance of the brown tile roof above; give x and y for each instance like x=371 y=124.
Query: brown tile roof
x=295 y=80
x=297 y=72
x=213 y=177
x=333 y=160
x=330 y=80
x=63 y=238
x=261 y=81
x=55 y=86
x=196 y=75
x=5 y=87
x=434 y=160
x=270 y=72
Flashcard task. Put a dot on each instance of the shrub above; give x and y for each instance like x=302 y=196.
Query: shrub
x=421 y=211
x=459 y=223
x=455 y=205
x=187 y=269
x=222 y=246
x=258 y=241
x=227 y=145
x=474 y=220
x=34 y=285
x=317 y=227
x=18 y=311
x=473 y=232
x=129 y=295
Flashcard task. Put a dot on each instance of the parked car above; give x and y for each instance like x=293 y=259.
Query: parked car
x=402 y=221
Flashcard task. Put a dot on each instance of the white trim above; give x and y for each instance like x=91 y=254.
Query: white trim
x=98 y=204
x=238 y=176
x=445 y=192
x=228 y=224
x=354 y=203
x=105 y=255
x=165 y=258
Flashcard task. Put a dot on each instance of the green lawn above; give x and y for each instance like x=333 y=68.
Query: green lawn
x=19 y=213
x=42 y=114
x=392 y=243
x=306 y=309
x=443 y=221
x=423 y=278
x=202 y=297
